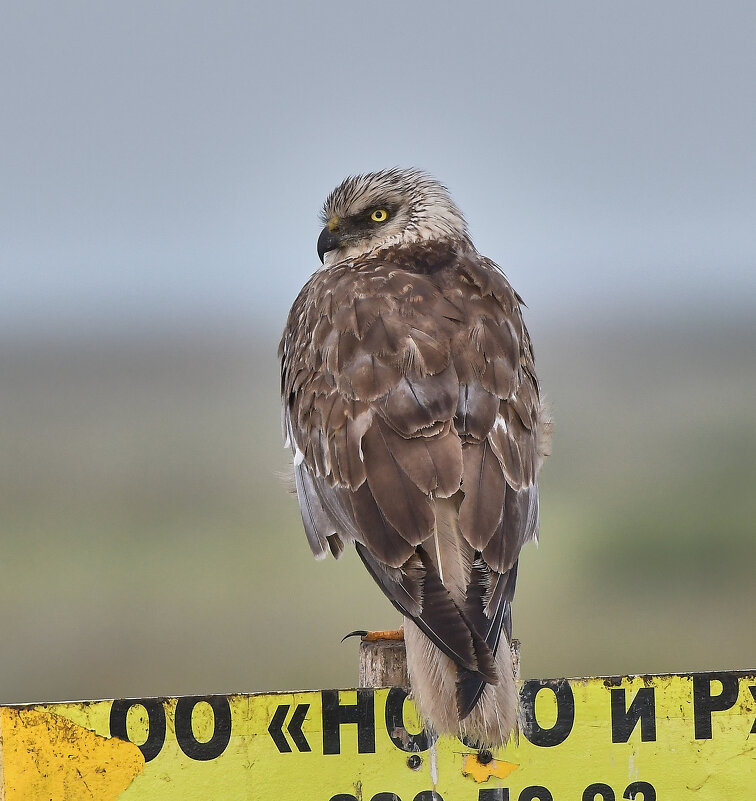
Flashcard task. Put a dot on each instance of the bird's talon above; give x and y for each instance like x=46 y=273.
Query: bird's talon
x=356 y=633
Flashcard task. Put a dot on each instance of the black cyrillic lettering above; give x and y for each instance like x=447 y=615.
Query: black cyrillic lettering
x=188 y=743
x=753 y=693
x=428 y=795
x=336 y=714
x=624 y=720
x=559 y=732
x=704 y=703
x=396 y=729
x=152 y=746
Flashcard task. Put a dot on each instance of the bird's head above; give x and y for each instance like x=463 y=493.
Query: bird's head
x=391 y=207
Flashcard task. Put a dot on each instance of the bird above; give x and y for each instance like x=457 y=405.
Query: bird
x=417 y=429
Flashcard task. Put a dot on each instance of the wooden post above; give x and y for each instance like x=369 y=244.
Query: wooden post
x=383 y=663
x=516 y=657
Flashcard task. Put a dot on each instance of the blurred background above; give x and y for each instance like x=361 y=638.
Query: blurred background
x=162 y=166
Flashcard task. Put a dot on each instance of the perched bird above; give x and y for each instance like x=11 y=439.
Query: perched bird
x=412 y=409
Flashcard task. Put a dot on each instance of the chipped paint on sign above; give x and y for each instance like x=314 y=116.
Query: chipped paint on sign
x=669 y=736
x=482 y=770
x=46 y=756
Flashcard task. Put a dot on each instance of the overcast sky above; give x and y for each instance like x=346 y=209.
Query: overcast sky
x=167 y=160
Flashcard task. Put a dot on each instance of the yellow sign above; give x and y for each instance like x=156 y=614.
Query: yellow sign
x=602 y=739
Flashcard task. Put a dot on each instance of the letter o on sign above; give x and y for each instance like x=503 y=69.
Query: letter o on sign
x=151 y=747
x=565 y=701
x=188 y=743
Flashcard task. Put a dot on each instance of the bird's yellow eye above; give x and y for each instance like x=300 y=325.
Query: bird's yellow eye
x=379 y=215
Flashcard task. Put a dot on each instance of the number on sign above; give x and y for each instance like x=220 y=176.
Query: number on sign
x=425 y=795
x=598 y=790
x=644 y=788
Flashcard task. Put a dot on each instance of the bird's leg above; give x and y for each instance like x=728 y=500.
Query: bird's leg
x=396 y=635
x=390 y=634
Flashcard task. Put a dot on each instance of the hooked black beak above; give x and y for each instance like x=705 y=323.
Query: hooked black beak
x=328 y=240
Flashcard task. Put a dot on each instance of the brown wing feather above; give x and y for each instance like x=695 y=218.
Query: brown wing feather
x=484 y=487
x=375 y=532
x=432 y=463
x=401 y=501
x=438 y=616
x=414 y=402
x=368 y=376
x=519 y=523
x=476 y=411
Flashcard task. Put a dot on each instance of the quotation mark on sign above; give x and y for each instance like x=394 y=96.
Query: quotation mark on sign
x=294 y=728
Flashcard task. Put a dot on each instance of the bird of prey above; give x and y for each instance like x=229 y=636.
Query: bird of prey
x=412 y=409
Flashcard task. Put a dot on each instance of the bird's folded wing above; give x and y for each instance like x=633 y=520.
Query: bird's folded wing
x=401 y=388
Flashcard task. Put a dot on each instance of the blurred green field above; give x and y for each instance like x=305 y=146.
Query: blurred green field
x=150 y=546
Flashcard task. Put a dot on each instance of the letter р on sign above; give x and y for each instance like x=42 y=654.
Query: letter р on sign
x=705 y=701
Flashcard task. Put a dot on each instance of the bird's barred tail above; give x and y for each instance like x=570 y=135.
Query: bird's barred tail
x=434 y=678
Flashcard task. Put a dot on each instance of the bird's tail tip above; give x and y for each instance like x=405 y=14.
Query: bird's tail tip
x=458 y=702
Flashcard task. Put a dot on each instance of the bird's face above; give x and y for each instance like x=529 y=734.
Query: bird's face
x=373 y=211
x=367 y=223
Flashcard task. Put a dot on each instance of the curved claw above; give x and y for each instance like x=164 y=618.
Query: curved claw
x=355 y=633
